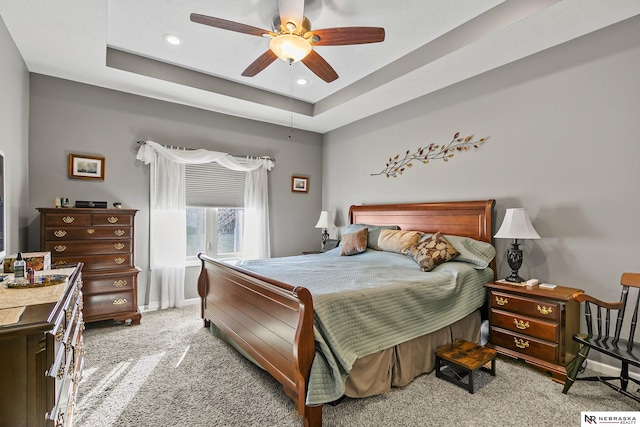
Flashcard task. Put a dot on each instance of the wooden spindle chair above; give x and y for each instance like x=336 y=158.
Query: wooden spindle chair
x=598 y=336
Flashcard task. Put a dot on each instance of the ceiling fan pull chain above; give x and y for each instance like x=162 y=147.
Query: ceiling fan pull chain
x=291 y=100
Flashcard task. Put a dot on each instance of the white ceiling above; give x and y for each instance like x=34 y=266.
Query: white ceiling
x=118 y=44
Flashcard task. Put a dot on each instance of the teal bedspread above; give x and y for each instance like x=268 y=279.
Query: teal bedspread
x=372 y=301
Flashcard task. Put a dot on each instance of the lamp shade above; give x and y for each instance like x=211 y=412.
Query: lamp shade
x=325 y=220
x=516 y=225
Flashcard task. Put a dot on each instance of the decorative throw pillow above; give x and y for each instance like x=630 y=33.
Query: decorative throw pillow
x=432 y=252
x=354 y=243
x=397 y=240
x=374 y=231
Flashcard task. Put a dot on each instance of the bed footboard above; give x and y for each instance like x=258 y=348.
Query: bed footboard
x=270 y=320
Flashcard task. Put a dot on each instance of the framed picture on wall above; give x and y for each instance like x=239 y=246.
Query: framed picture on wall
x=299 y=184
x=86 y=167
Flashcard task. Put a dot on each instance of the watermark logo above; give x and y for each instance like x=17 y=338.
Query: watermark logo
x=609 y=418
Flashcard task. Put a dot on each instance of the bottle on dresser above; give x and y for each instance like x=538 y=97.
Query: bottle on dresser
x=19 y=267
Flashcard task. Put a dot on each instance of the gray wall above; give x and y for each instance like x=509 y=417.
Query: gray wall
x=68 y=117
x=563 y=128
x=14 y=138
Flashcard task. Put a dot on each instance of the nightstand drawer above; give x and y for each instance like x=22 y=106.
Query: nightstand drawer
x=540 y=309
x=548 y=331
x=525 y=345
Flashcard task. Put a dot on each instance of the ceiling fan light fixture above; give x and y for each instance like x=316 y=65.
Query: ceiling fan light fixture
x=289 y=47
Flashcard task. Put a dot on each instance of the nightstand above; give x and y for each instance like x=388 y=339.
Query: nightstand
x=535 y=324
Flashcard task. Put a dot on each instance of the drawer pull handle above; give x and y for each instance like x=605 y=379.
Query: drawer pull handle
x=91 y=230
x=119 y=233
x=60 y=248
x=521 y=324
x=119 y=245
x=59 y=233
x=112 y=219
x=545 y=310
x=120 y=283
x=60 y=373
x=60 y=333
x=62 y=262
x=119 y=260
x=520 y=343
x=502 y=301
x=68 y=219
x=120 y=301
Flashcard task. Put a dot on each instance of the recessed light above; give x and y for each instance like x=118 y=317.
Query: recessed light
x=171 y=39
x=302 y=82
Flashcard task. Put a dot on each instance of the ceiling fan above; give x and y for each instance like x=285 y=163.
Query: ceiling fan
x=292 y=39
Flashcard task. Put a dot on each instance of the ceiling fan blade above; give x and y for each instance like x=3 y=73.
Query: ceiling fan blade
x=260 y=64
x=346 y=35
x=291 y=11
x=320 y=67
x=229 y=25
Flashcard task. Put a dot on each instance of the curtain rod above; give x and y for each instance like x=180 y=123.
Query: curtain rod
x=189 y=149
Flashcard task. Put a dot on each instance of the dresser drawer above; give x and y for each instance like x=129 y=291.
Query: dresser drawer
x=95 y=262
x=112 y=219
x=102 y=284
x=86 y=233
x=540 y=309
x=548 y=331
x=524 y=344
x=115 y=302
x=74 y=219
x=88 y=247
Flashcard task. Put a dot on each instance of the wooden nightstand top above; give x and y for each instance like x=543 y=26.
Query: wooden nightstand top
x=561 y=293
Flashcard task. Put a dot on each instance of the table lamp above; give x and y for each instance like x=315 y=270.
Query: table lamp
x=516 y=225
x=325 y=222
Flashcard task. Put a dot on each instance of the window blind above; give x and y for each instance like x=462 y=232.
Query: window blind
x=212 y=185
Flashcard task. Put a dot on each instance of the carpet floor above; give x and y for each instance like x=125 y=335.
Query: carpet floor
x=170 y=371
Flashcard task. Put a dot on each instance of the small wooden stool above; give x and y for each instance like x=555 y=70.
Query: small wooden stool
x=466 y=357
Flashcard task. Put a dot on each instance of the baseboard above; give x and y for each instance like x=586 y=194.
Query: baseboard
x=156 y=305
x=608 y=370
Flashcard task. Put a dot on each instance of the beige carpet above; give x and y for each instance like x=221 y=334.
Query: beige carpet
x=170 y=371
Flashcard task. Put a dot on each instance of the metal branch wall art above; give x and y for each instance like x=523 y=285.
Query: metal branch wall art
x=397 y=166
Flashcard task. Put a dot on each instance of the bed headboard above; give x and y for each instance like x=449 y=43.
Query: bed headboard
x=469 y=219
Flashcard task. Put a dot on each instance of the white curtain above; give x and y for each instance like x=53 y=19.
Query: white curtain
x=168 y=213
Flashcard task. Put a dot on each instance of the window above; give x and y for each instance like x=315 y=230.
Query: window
x=214 y=231
x=215 y=210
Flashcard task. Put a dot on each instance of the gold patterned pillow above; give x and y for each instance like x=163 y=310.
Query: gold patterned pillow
x=354 y=243
x=432 y=252
x=397 y=240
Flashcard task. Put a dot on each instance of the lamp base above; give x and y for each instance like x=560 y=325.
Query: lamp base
x=514 y=258
x=325 y=237
x=514 y=278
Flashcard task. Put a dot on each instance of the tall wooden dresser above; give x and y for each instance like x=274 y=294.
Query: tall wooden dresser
x=102 y=239
x=42 y=353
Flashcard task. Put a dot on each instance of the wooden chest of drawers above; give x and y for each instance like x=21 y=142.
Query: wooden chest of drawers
x=42 y=358
x=102 y=239
x=535 y=324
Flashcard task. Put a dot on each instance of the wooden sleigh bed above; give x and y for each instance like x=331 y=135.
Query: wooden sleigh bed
x=272 y=323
